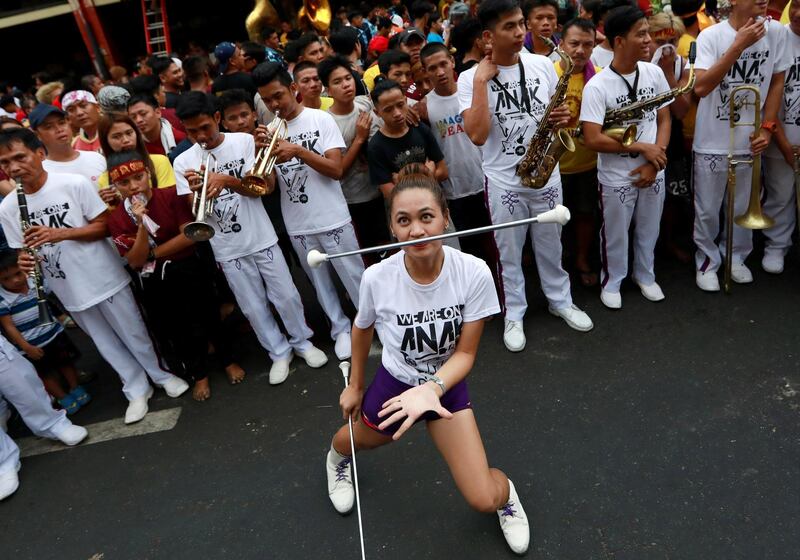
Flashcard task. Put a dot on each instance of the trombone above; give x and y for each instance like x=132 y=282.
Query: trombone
x=202 y=206
x=754 y=217
x=255 y=181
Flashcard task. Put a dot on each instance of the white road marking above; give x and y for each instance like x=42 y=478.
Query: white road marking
x=159 y=421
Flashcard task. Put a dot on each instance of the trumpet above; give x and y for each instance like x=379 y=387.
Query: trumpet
x=202 y=206
x=255 y=181
x=754 y=217
x=25 y=222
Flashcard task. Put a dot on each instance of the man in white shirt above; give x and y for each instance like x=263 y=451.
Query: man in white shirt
x=746 y=49
x=244 y=241
x=631 y=178
x=51 y=126
x=780 y=158
x=464 y=184
x=501 y=117
x=68 y=230
x=309 y=166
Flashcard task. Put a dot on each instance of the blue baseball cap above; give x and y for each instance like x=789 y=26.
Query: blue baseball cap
x=223 y=53
x=39 y=113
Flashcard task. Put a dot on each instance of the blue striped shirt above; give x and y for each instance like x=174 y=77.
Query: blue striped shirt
x=24 y=312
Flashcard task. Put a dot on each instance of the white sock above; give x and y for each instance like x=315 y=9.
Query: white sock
x=338 y=457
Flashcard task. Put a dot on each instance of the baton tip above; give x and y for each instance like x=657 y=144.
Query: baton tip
x=558 y=215
x=315 y=258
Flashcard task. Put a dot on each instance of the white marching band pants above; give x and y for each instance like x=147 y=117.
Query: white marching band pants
x=21 y=386
x=116 y=327
x=779 y=205
x=621 y=206
x=507 y=206
x=263 y=278
x=349 y=270
x=710 y=178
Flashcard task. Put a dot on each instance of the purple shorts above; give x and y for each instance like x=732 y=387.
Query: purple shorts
x=385 y=386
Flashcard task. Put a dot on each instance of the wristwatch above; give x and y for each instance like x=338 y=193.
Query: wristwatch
x=439 y=382
x=771 y=126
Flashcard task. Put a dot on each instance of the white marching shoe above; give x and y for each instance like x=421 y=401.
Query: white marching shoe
x=137 y=408
x=574 y=317
x=772 y=263
x=514 y=336
x=72 y=435
x=610 y=299
x=314 y=357
x=340 y=482
x=280 y=370
x=342 y=346
x=653 y=292
x=741 y=274
x=175 y=386
x=707 y=281
x=514 y=522
x=9 y=482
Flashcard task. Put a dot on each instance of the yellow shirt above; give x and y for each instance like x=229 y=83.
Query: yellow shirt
x=325 y=103
x=582 y=159
x=684 y=43
x=164 y=173
x=369 y=76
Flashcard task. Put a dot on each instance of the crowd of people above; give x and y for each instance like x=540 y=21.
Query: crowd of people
x=399 y=123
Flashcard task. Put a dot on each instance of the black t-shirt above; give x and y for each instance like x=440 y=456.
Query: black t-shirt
x=239 y=80
x=383 y=152
x=171 y=100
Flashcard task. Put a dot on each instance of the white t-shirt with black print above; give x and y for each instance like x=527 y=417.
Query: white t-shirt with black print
x=607 y=90
x=419 y=324
x=355 y=183
x=512 y=125
x=241 y=225
x=89 y=164
x=80 y=273
x=755 y=66
x=310 y=201
x=789 y=114
x=462 y=156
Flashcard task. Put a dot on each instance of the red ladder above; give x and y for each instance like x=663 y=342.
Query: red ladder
x=156 y=27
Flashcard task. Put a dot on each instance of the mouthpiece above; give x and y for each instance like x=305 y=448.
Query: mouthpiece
x=558 y=215
x=692 y=52
x=314 y=258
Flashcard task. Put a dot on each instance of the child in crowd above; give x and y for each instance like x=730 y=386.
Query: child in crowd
x=47 y=345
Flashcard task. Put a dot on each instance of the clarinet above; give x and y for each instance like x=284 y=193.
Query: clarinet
x=24 y=218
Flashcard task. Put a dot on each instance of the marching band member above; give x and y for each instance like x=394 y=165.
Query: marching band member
x=745 y=49
x=631 y=187
x=780 y=158
x=502 y=117
x=177 y=293
x=428 y=303
x=579 y=168
x=464 y=185
x=244 y=243
x=69 y=230
x=309 y=166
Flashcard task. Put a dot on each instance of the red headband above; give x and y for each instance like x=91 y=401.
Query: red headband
x=666 y=33
x=125 y=170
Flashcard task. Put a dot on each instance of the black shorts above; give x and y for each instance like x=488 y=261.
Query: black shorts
x=580 y=191
x=58 y=353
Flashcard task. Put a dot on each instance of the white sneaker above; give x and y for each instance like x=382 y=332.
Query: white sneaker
x=280 y=370
x=342 y=346
x=514 y=523
x=137 y=408
x=652 y=292
x=610 y=299
x=772 y=263
x=574 y=317
x=514 y=336
x=175 y=386
x=741 y=274
x=707 y=281
x=340 y=482
x=72 y=435
x=9 y=482
x=314 y=357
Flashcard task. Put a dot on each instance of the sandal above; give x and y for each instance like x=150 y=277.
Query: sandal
x=69 y=404
x=80 y=395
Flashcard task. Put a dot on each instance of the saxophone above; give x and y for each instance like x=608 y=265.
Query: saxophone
x=548 y=144
x=614 y=124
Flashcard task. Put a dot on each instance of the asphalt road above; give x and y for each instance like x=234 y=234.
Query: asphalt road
x=669 y=432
